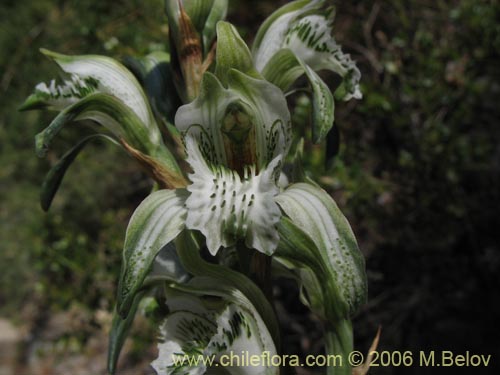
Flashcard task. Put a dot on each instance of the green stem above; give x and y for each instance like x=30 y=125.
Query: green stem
x=339 y=342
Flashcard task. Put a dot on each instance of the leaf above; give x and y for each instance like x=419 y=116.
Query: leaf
x=120 y=328
x=56 y=174
x=316 y=214
x=155 y=223
x=166 y=268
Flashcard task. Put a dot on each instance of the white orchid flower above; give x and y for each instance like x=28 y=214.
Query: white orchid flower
x=203 y=333
x=296 y=40
x=237 y=134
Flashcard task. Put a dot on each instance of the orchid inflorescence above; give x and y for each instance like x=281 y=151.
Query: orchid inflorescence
x=206 y=241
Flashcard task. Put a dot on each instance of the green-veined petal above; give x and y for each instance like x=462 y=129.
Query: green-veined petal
x=211 y=328
x=112 y=78
x=106 y=110
x=59 y=96
x=305 y=28
x=311 y=40
x=232 y=53
x=283 y=70
x=156 y=222
x=270 y=36
x=315 y=212
x=209 y=119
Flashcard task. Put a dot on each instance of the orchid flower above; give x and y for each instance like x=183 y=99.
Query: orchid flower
x=236 y=132
x=237 y=135
x=296 y=40
x=101 y=90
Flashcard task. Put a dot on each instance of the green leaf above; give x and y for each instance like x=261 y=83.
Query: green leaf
x=166 y=268
x=232 y=53
x=155 y=223
x=56 y=174
x=120 y=328
x=315 y=212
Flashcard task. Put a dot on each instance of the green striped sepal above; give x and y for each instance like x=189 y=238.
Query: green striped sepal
x=318 y=243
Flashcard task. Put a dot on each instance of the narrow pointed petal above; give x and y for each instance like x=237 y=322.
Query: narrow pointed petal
x=232 y=53
x=56 y=174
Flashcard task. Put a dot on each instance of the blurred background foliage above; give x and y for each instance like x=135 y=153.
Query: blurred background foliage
x=417 y=172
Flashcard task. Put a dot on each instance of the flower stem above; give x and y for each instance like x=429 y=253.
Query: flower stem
x=339 y=342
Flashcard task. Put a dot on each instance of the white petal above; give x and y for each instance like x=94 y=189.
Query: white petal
x=225 y=207
x=310 y=38
x=197 y=330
